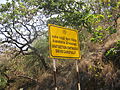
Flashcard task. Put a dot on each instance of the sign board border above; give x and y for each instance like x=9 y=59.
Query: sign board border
x=50 y=51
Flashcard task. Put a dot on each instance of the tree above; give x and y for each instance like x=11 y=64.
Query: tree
x=98 y=18
x=20 y=25
x=22 y=22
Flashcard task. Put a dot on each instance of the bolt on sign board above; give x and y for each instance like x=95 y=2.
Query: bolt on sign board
x=63 y=42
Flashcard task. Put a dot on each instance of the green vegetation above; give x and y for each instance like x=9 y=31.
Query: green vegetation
x=24 y=55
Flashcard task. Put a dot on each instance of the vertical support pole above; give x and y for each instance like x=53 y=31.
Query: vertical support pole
x=54 y=72
x=77 y=69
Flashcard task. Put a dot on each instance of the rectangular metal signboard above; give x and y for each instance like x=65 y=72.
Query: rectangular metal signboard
x=63 y=42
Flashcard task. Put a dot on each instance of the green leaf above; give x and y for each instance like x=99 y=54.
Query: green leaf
x=3 y=82
x=109 y=16
x=93 y=39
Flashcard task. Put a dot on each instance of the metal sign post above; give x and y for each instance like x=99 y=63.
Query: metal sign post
x=63 y=44
x=77 y=69
x=54 y=72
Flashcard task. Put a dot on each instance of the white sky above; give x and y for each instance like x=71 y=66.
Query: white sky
x=3 y=1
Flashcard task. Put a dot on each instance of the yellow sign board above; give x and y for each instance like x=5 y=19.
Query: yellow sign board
x=63 y=42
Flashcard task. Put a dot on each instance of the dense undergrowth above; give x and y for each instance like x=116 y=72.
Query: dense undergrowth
x=98 y=23
x=95 y=74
